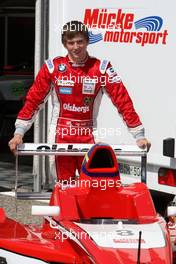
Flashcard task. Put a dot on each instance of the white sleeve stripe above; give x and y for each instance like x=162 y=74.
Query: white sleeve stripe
x=137 y=132
x=135 y=129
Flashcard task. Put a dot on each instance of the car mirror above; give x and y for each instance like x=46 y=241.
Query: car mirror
x=45 y=210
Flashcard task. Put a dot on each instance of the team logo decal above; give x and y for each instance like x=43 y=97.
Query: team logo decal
x=103 y=66
x=62 y=67
x=88 y=100
x=50 y=65
x=88 y=86
x=124 y=27
x=111 y=72
x=113 y=77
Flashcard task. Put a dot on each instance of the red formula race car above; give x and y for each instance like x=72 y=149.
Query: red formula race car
x=95 y=219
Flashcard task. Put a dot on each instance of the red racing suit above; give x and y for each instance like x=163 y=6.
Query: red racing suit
x=76 y=91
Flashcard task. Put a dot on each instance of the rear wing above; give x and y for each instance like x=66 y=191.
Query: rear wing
x=72 y=149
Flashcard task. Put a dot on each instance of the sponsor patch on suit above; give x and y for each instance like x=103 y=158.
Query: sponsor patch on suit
x=88 y=86
x=61 y=82
x=65 y=90
x=62 y=67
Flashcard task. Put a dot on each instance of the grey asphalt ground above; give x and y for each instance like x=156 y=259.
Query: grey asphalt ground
x=20 y=209
x=17 y=209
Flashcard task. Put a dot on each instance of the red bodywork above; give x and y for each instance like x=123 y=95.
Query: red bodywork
x=88 y=201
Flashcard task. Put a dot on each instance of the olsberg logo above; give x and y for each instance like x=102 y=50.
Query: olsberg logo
x=118 y=26
x=74 y=108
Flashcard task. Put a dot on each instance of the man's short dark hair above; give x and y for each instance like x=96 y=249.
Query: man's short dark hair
x=73 y=28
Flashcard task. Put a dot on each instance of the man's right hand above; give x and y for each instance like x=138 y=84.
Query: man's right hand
x=16 y=140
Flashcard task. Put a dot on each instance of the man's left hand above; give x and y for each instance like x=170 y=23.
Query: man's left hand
x=143 y=143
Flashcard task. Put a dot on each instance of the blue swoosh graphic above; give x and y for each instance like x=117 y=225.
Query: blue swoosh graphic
x=93 y=38
x=151 y=23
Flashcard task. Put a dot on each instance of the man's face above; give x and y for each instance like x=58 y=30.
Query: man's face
x=77 y=48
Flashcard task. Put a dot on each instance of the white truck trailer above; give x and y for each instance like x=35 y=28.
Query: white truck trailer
x=139 y=38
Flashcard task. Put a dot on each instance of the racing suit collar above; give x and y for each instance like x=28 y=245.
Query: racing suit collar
x=78 y=64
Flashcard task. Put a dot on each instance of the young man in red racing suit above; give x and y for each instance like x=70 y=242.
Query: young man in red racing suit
x=76 y=83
